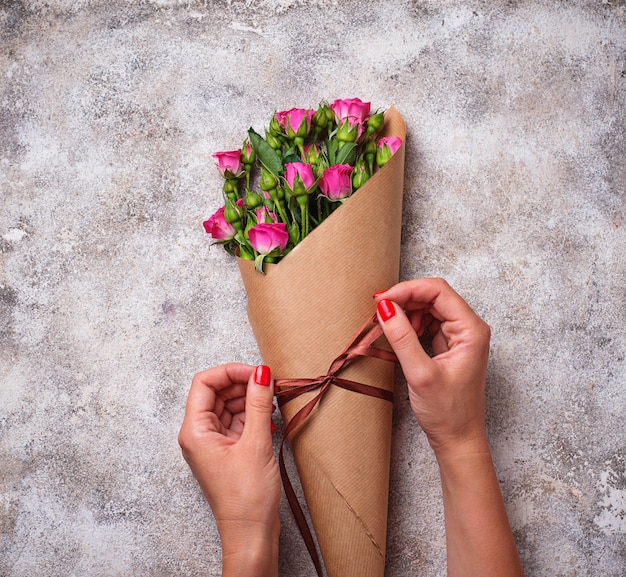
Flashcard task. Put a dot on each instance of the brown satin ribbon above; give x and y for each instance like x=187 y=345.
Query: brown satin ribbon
x=288 y=389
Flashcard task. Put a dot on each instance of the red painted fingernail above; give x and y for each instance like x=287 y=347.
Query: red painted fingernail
x=386 y=309
x=273 y=427
x=378 y=293
x=262 y=375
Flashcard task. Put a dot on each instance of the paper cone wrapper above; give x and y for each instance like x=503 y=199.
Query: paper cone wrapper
x=304 y=311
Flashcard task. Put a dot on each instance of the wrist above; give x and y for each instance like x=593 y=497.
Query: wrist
x=249 y=549
x=475 y=448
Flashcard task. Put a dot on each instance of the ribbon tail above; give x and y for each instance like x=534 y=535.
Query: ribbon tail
x=298 y=513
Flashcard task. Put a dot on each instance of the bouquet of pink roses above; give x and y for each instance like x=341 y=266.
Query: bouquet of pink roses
x=316 y=205
x=308 y=164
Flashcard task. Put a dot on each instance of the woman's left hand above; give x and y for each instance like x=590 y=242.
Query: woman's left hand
x=226 y=440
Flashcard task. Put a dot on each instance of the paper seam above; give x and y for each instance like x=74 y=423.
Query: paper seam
x=361 y=522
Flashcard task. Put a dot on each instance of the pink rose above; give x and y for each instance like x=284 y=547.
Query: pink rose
x=268 y=237
x=295 y=122
x=350 y=114
x=218 y=227
x=299 y=177
x=387 y=146
x=351 y=108
x=392 y=142
x=336 y=183
x=229 y=163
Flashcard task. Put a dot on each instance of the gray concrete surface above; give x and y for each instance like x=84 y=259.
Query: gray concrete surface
x=110 y=299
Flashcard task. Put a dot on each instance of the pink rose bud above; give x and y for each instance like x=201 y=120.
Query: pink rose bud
x=248 y=155
x=375 y=123
x=319 y=118
x=311 y=153
x=234 y=212
x=268 y=181
x=299 y=177
x=336 y=183
x=278 y=124
x=273 y=140
x=231 y=188
x=253 y=199
x=360 y=175
x=387 y=146
x=229 y=163
x=264 y=215
x=275 y=129
x=268 y=237
x=218 y=227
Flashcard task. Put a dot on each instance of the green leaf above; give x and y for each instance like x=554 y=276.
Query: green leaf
x=331 y=146
x=291 y=158
x=346 y=154
x=265 y=153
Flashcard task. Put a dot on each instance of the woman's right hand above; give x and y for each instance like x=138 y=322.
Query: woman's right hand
x=447 y=390
x=447 y=393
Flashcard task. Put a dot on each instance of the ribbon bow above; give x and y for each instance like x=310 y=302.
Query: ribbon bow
x=288 y=389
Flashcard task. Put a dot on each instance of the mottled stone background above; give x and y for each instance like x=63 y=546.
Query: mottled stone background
x=110 y=299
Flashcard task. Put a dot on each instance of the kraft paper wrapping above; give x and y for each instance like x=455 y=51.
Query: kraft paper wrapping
x=304 y=311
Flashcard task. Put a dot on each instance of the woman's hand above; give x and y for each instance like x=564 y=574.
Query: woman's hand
x=226 y=440
x=447 y=394
x=446 y=390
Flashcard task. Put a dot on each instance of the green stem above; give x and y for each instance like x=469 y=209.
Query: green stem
x=278 y=203
x=299 y=142
x=281 y=211
x=303 y=201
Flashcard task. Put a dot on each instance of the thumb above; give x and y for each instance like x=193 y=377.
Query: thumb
x=403 y=339
x=259 y=406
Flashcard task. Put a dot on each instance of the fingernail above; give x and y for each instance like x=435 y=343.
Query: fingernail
x=378 y=293
x=386 y=309
x=273 y=427
x=262 y=375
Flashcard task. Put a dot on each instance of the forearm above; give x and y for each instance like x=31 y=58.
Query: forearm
x=478 y=535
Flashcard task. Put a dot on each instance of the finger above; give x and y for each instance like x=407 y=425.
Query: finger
x=232 y=398
x=439 y=343
x=420 y=320
x=403 y=339
x=218 y=406
x=436 y=294
x=234 y=412
x=237 y=424
x=235 y=406
x=205 y=385
x=259 y=407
